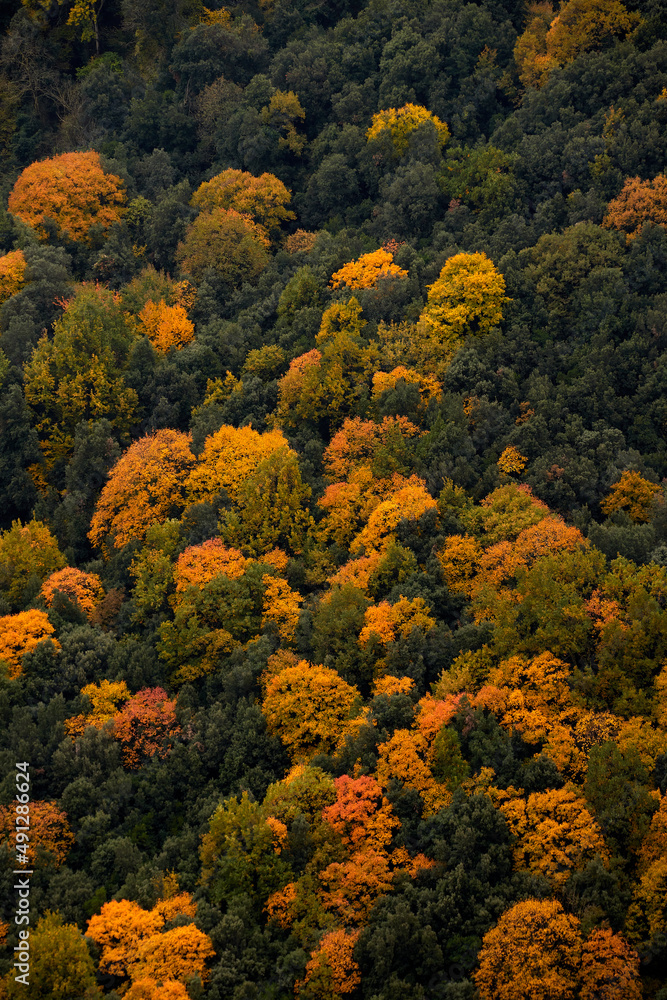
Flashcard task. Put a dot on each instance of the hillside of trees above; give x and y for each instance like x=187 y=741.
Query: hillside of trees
x=333 y=499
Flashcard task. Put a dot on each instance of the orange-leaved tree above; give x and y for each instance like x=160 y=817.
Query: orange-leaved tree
x=429 y=387
x=638 y=202
x=71 y=190
x=201 y=563
x=398 y=124
x=307 y=706
x=20 y=634
x=167 y=327
x=411 y=500
x=387 y=622
x=281 y=606
x=632 y=493
x=179 y=953
x=404 y=758
x=361 y=442
x=49 y=837
x=134 y=943
x=146 y=485
x=84 y=588
x=263 y=198
x=146 y=726
x=28 y=554
x=331 y=970
x=609 y=968
x=12 y=274
x=152 y=989
x=533 y=951
x=105 y=698
x=367 y=270
x=227 y=241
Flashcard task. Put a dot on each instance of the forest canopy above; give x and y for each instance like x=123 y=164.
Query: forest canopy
x=333 y=506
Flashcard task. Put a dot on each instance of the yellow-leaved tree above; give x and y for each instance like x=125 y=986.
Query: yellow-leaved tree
x=398 y=124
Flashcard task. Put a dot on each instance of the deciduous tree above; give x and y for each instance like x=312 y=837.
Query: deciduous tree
x=84 y=588
x=227 y=241
x=105 y=698
x=72 y=191
x=50 y=836
x=632 y=493
x=367 y=271
x=167 y=327
x=79 y=373
x=12 y=274
x=61 y=967
x=20 y=634
x=306 y=706
x=146 y=726
x=146 y=485
x=263 y=198
x=533 y=951
x=399 y=123
x=28 y=555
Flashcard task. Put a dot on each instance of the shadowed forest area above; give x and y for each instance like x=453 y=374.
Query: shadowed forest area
x=333 y=480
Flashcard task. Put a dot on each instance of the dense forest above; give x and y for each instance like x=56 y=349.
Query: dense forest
x=333 y=485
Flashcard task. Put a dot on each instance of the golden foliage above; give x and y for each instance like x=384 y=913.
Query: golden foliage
x=511 y=460
x=27 y=552
x=400 y=123
x=20 y=634
x=281 y=605
x=409 y=501
x=402 y=757
x=283 y=112
x=305 y=706
x=388 y=622
x=389 y=685
x=556 y=833
x=105 y=698
x=331 y=970
x=633 y=494
x=12 y=274
x=367 y=271
x=150 y=989
x=85 y=588
x=609 y=968
x=72 y=190
x=429 y=387
x=533 y=951
x=229 y=458
x=358 y=442
x=201 y=563
x=167 y=327
x=583 y=25
x=467 y=298
x=530 y=51
x=50 y=837
x=146 y=485
x=263 y=199
x=638 y=202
